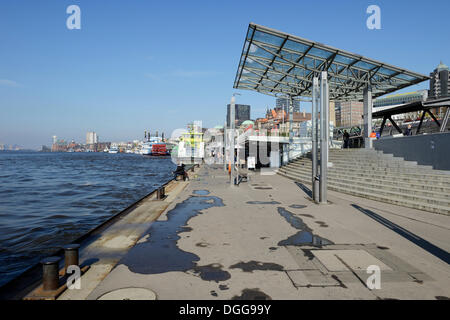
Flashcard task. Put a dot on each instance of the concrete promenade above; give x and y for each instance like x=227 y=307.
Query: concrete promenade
x=266 y=240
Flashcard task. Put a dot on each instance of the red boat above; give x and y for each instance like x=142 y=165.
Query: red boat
x=159 y=149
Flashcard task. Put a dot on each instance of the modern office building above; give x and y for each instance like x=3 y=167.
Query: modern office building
x=348 y=113
x=282 y=103
x=439 y=82
x=91 y=138
x=242 y=113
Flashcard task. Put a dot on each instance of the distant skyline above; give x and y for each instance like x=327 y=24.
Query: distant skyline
x=147 y=65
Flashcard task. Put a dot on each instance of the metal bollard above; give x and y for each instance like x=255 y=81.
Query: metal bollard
x=160 y=193
x=71 y=255
x=50 y=273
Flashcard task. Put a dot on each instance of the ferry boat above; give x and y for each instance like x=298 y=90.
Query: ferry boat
x=154 y=147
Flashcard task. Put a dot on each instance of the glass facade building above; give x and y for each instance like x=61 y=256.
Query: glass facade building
x=283 y=104
x=241 y=113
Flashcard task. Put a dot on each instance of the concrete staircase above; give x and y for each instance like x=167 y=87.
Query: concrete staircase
x=374 y=175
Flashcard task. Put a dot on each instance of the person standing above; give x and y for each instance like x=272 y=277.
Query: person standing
x=346 y=139
x=408 y=131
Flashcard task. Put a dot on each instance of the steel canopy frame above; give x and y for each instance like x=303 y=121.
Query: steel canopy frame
x=273 y=62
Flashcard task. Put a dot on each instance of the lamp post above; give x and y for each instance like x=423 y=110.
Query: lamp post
x=232 y=127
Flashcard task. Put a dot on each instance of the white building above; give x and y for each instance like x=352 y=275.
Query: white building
x=91 y=138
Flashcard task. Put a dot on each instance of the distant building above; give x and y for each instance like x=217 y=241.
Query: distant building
x=439 y=82
x=297 y=119
x=242 y=113
x=348 y=113
x=400 y=98
x=60 y=146
x=394 y=100
x=91 y=138
x=283 y=103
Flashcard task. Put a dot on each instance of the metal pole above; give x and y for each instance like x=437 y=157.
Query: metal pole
x=314 y=151
x=324 y=136
x=367 y=117
x=291 y=131
x=232 y=123
x=225 y=140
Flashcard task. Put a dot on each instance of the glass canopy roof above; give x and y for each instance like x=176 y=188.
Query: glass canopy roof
x=275 y=63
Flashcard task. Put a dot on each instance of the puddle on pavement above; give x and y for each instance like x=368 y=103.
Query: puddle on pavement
x=160 y=252
x=201 y=192
x=297 y=206
x=305 y=236
x=212 y=272
x=263 y=202
x=257 y=265
x=252 y=294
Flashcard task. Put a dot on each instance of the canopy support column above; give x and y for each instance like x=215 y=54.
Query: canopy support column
x=324 y=135
x=291 y=132
x=315 y=149
x=367 y=117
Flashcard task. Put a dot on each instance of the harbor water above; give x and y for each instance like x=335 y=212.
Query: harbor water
x=49 y=199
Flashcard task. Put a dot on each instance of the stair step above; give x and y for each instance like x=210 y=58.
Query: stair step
x=432 y=191
x=389 y=176
x=393 y=199
x=423 y=174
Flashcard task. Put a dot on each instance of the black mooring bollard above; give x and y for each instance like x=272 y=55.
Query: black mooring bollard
x=160 y=193
x=71 y=255
x=50 y=273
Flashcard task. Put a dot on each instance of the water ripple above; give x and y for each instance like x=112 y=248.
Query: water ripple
x=50 y=199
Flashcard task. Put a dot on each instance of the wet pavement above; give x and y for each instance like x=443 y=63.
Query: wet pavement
x=266 y=240
x=304 y=236
x=160 y=252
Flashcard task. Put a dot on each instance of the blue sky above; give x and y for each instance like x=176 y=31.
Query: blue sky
x=138 y=65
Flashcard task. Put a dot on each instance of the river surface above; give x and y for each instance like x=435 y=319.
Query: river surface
x=49 y=199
